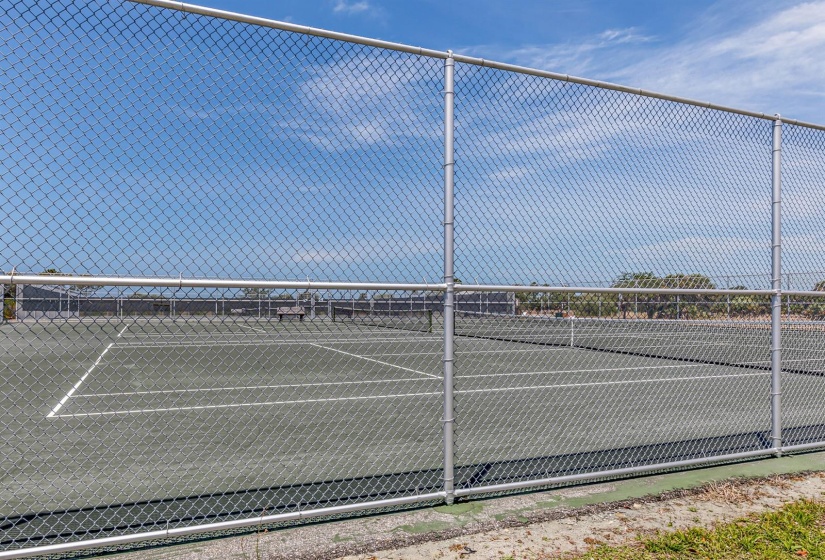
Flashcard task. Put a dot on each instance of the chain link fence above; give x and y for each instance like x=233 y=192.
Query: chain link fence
x=255 y=273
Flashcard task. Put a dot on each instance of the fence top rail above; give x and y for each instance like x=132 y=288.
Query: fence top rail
x=182 y=282
x=431 y=53
x=612 y=290
x=803 y=293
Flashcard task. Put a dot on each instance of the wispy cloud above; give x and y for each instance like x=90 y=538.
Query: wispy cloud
x=623 y=36
x=765 y=66
x=344 y=7
x=772 y=62
x=573 y=58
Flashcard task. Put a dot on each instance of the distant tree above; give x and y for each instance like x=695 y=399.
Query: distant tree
x=685 y=306
x=816 y=309
x=689 y=281
x=652 y=305
x=82 y=290
x=284 y=296
x=9 y=300
x=528 y=301
x=88 y=290
x=637 y=280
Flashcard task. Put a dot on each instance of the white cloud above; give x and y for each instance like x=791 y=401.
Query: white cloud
x=766 y=66
x=623 y=36
x=361 y=106
x=344 y=7
x=773 y=63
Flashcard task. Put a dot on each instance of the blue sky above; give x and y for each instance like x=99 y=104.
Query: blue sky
x=753 y=54
x=142 y=141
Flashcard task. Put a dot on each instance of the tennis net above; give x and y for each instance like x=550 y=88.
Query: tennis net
x=415 y=320
x=740 y=344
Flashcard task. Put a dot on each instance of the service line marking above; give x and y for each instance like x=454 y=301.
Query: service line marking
x=247 y=405
x=254 y=329
x=462 y=352
x=400 y=395
x=375 y=361
x=598 y=383
x=59 y=405
x=208 y=341
x=251 y=387
x=599 y=370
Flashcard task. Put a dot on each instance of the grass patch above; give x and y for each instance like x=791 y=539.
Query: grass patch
x=795 y=531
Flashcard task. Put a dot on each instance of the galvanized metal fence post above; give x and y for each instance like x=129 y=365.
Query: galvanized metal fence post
x=776 y=298
x=449 y=280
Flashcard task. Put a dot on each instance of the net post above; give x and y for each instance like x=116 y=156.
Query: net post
x=449 y=274
x=776 y=281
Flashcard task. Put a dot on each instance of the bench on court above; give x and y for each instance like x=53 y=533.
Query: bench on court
x=290 y=312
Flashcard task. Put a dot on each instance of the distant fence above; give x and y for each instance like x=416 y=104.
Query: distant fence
x=550 y=279
x=50 y=303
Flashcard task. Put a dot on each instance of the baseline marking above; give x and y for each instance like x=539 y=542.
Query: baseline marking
x=59 y=405
x=376 y=361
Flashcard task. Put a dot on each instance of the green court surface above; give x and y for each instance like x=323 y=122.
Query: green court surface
x=148 y=422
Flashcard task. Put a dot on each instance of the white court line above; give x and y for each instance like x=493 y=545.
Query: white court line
x=251 y=387
x=407 y=380
x=254 y=329
x=689 y=365
x=77 y=385
x=501 y=351
x=403 y=395
x=208 y=342
x=246 y=405
x=599 y=370
x=82 y=379
x=376 y=361
x=625 y=382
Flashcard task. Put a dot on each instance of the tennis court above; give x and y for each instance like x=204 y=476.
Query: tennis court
x=216 y=224
x=236 y=417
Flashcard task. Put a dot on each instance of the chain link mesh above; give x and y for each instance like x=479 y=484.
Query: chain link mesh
x=803 y=255
x=147 y=142
x=568 y=184
x=612 y=254
x=142 y=141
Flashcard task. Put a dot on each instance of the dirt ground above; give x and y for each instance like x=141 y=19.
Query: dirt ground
x=617 y=523
x=537 y=525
